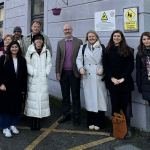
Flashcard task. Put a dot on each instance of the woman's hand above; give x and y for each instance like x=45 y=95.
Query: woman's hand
x=121 y=80
x=115 y=81
x=82 y=71
x=100 y=72
x=2 y=87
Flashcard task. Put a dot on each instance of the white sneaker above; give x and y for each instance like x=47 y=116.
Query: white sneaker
x=96 y=127
x=14 y=130
x=7 y=132
x=91 y=127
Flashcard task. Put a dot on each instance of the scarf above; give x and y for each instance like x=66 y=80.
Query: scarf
x=92 y=47
x=2 y=49
x=39 y=50
x=147 y=53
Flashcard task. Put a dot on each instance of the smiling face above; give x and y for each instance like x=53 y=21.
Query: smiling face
x=7 y=41
x=92 y=38
x=146 y=41
x=14 y=49
x=117 y=39
x=35 y=28
x=68 y=31
x=38 y=43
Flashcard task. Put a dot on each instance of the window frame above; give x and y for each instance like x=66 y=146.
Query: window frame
x=2 y=22
x=35 y=16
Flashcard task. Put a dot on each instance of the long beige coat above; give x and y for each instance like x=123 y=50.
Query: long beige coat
x=94 y=89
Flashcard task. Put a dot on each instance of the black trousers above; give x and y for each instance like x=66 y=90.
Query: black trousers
x=97 y=119
x=121 y=100
x=69 y=81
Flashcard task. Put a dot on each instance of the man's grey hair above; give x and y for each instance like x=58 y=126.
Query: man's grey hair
x=36 y=22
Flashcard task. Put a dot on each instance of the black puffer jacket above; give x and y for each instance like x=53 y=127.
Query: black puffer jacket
x=142 y=76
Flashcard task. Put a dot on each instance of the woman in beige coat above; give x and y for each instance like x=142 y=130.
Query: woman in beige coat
x=94 y=88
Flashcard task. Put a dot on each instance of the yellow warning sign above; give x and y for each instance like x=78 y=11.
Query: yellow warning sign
x=104 y=17
x=130 y=25
x=130 y=15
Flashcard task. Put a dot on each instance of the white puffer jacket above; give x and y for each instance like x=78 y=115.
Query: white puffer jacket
x=39 y=67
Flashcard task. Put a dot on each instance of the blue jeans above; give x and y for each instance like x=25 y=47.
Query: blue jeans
x=7 y=120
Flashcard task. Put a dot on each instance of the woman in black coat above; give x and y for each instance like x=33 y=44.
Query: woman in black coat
x=13 y=84
x=118 y=63
x=143 y=67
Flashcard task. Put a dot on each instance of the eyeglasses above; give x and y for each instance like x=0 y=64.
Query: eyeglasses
x=67 y=29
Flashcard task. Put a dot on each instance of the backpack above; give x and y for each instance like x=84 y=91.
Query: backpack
x=83 y=50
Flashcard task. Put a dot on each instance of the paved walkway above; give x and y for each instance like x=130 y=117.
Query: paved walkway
x=54 y=136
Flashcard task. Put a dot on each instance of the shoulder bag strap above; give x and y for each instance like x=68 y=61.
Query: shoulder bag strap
x=83 y=50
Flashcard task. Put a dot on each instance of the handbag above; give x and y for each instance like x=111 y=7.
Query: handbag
x=119 y=125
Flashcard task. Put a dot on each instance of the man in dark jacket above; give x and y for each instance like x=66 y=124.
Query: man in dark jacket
x=17 y=35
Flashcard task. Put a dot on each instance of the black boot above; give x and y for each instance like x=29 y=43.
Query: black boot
x=129 y=133
x=38 y=124
x=33 y=124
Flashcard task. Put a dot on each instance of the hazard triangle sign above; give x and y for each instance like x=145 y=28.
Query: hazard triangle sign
x=104 y=17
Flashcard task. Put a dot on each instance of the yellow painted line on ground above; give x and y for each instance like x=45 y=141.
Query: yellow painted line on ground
x=28 y=128
x=82 y=132
x=42 y=136
x=44 y=129
x=91 y=144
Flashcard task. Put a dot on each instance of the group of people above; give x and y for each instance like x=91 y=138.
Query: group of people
x=25 y=64
x=102 y=70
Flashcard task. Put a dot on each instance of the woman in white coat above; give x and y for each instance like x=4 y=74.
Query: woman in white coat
x=90 y=65
x=38 y=66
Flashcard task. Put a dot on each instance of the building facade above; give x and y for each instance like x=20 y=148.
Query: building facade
x=79 y=14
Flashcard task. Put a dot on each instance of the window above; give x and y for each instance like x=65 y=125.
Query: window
x=1 y=17
x=37 y=12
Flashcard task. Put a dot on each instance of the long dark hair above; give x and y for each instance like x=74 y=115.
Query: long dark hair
x=9 y=54
x=141 y=43
x=123 y=49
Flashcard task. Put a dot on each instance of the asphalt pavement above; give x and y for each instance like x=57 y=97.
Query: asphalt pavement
x=66 y=136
